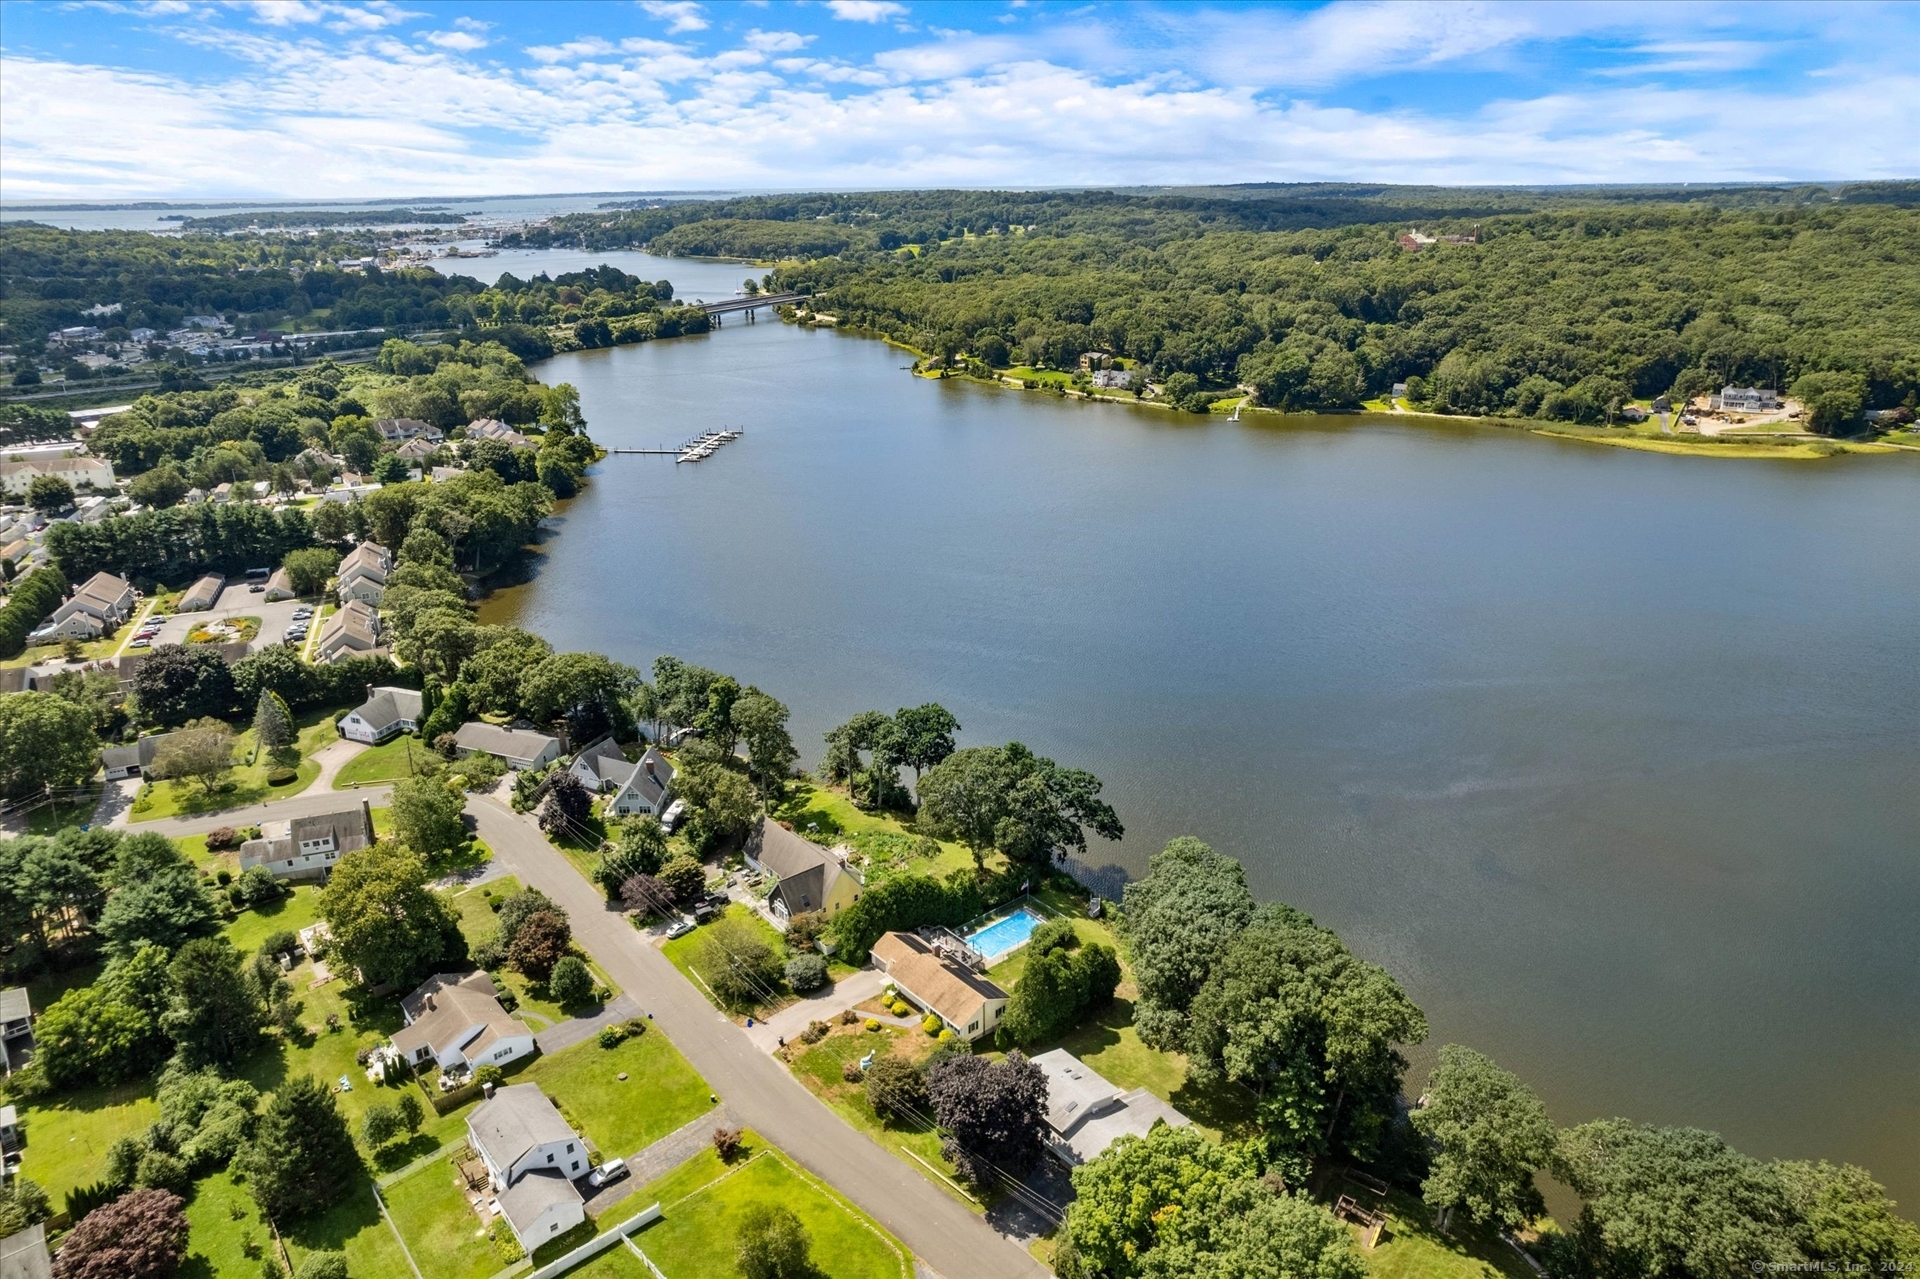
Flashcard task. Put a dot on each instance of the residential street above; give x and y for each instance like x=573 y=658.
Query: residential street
x=941 y=1232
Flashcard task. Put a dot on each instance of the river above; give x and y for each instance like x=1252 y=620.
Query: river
x=1609 y=757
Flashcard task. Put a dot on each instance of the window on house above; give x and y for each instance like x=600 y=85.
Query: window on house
x=569 y=1147
x=549 y=1158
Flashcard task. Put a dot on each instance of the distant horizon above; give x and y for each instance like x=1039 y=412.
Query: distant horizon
x=106 y=203
x=302 y=100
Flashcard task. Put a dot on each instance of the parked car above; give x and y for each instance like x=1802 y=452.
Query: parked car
x=679 y=928
x=612 y=1170
x=142 y=642
x=705 y=911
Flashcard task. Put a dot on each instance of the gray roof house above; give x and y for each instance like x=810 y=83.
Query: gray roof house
x=516 y=747
x=131 y=759
x=16 y=1026
x=532 y=1158
x=307 y=847
x=363 y=573
x=395 y=429
x=100 y=605
x=1088 y=1114
x=811 y=877
x=354 y=631
x=24 y=1255
x=637 y=789
x=280 y=586
x=201 y=595
x=387 y=712
x=457 y=1021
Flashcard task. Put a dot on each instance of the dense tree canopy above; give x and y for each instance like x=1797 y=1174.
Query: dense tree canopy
x=1177 y=920
x=1490 y=1135
x=383 y=917
x=1007 y=797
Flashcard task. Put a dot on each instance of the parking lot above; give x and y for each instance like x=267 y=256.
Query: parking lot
x=234 y=601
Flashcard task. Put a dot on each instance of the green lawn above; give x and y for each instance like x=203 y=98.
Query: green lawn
x=293 y=912
x=621 y=1117
x=1412 y=1249
x=90 y=650
x=222 y=1219
x=684 y=952
x=443 y=1233
x=247 y=784
x=51 y=819
x=819 y=1068
x=822 y=814
x=387 y=762
x=67 y=1135
x=478 y=922
x=702 y=1203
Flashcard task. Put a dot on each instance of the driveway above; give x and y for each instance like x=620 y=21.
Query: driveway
x=938 y=1229
x=821 y=1005
x=333 y=757
x=234 y=601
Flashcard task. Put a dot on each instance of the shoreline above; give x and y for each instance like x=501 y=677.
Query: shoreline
x=1738 y=448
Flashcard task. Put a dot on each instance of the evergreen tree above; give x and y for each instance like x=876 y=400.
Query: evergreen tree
x=272 y=722
x=302 y=1159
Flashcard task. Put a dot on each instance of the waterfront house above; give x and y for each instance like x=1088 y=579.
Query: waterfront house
x=363 y=574
x=1745 y=399
x=1087 y=1113
x=488 y=428
x=518 y=748
x=354 y=631
x=387 y=712
x=968 y=1003
x=532 y=1158
x=307 y=847
x=633 y=789
x=455 y=1021
x=810 y=877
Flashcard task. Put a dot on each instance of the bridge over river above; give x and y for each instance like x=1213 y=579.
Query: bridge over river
x=749 y=303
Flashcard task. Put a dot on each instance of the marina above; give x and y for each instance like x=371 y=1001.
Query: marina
x=697 y=449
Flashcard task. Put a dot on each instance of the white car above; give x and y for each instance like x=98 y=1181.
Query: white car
x=679 y=928
x=142 y=642
x=612 y=1170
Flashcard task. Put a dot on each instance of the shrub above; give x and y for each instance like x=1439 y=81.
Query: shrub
x=931 y=1023
x=635 y=1026
x=816 y=1031
x=570 y=983
x=489 y=1074
x=896 y=1089
x=1055 y=934
x=281 y=775
x=257 y=886
x=323 y=1265
x=773 y=1244
x=488 y=954
x=612 y=1036
x=222 y=837
x=873 y=1023
x=223 y=877
x=82 y=1200
x=282 y=941
x=540 y=943
x=947 y=1036
x=380 y=1126
x=508 y=1000
x=726 y=1143
x=901 y=1008
x=848 y=1017
x=806 y=972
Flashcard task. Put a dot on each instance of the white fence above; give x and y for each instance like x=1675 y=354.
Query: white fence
x=598 y=1244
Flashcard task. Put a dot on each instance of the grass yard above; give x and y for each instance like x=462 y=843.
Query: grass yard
x=617 y=1262
x=247 y=783
x=622 y=1117
x=90 y=650
x=51 y=819
x=684 y=954
x=822 y=814
x=819 y=1069
x=293 y=912
x=387 y=762
x=67 y=1135
x=1413 y=1249
x=702 y=1203
x=443 y=1233
x=223 y=1220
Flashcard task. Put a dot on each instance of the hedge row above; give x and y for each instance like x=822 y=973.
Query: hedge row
x=32 y=600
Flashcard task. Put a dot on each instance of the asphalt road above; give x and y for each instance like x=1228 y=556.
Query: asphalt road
x=302 y=805
x=942 y=1234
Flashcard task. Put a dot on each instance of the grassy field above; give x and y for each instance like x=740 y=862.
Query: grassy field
x=55 y=817
x=90 y=650
x=293 y=912
x=703 y=1200
x=1412 y=1249
x=443 y=1233
x=387 y=762
x=822 y=814
x=684 y=953
x=67 y=1135
x=223 y=1221
x=819 y=1068
x=478 y=923
x=247 y=784
x=623 y=1116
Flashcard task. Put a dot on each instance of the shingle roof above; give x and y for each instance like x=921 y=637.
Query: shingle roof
x=806 y=871
x=103 y=590
x=202 y=593
x=515 y=1120
x=447 y=1006
x=534 y=1193
x=14 y=1004
x=389 y=705
x=131 y=753
x=953 y=992
x=508 y=743
x=368 y=557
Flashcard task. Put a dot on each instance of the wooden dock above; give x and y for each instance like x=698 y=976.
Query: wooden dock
x=697 y=449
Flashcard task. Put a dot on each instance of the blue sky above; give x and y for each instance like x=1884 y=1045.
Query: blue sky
x=316 y=99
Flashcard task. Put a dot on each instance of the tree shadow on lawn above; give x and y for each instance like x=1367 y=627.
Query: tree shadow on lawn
x=332 y=1230
x=397 y=1155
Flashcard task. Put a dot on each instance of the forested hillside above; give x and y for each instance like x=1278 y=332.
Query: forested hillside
x=1304 y=294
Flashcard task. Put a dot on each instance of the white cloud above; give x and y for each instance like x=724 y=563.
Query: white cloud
x=680 y=15
x=573 y=50
x=462 y=41
x=777 y=41
x=866 y=10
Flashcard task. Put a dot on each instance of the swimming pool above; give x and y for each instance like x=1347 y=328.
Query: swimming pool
x=1004 y=935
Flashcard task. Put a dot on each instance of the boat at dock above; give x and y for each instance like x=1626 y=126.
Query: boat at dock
x=705 y=446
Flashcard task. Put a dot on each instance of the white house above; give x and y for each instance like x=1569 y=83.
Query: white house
x=642 y=789
x=16 y=1027
x=132 y=758
x=307 y=847
x=201 y=595
x=1745 y=399
x=518 y=748
x=488 y=428
x=388 y=712
x=363 y=574
x=101 y=604
x=457 y=1022
x=532 y=1159
x=1087 y=1113
x=395 y=429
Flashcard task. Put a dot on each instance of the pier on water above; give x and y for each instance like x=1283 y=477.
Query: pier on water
x=697 y=449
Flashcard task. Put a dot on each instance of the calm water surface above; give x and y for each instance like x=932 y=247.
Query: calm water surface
x=1610 y=757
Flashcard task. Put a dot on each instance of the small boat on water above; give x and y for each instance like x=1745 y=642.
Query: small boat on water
x=703 y=447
